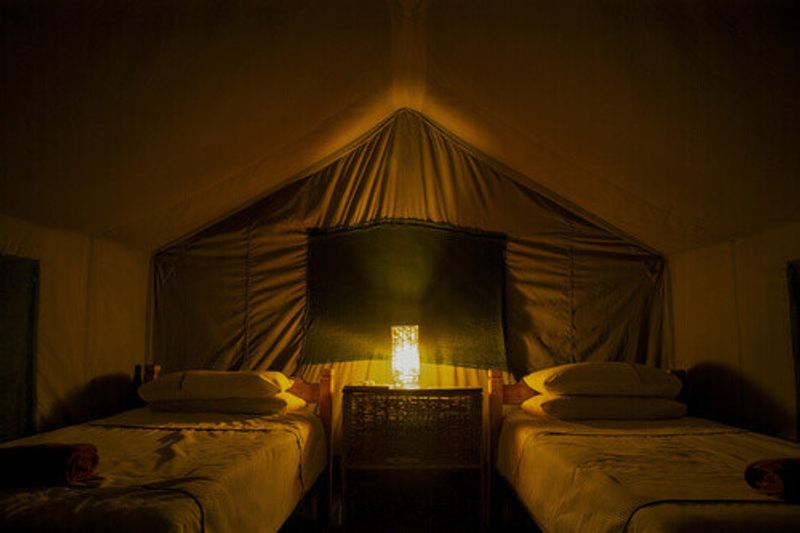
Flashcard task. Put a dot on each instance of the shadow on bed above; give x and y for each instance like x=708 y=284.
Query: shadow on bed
x=103 y=396
x=721 y=393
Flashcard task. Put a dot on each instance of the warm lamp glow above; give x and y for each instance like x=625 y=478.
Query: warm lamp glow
x=405 y=355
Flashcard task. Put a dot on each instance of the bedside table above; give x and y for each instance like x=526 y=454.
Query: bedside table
x=413 y=458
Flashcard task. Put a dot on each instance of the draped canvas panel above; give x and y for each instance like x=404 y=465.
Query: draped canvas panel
x=234 y=294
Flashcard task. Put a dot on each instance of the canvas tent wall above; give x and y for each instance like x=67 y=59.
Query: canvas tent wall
x=233 y=295
x=732 y=329
x=675 y=121
x=91 y=320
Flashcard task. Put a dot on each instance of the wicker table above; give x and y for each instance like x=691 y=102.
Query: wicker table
x=413 y=458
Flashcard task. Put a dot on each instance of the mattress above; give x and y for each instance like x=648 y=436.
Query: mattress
x=682 y=475
x=178 y=472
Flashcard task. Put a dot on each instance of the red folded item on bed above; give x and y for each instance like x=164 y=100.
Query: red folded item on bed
x=47 y=464
x=779 y=478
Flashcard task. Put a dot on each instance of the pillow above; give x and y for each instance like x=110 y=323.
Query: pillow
x=605 y=379
x=283 y=402
x=603 y=407
x=214 y=385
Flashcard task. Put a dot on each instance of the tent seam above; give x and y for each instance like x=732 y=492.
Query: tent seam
x=246 y=345
x=88 y=298
x=572 y=292
x=738 y=329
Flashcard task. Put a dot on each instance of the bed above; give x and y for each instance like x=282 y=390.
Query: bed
x=184 y=471
x=681 y=474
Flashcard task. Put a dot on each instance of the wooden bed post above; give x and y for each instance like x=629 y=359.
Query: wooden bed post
x=495 y=411
x=325 y=405
x=501 y=394
x=326 y=402
x=321 y=393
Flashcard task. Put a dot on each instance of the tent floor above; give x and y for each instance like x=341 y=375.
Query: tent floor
x=394 y=514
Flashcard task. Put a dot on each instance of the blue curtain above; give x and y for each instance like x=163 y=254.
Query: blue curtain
x=18 y=296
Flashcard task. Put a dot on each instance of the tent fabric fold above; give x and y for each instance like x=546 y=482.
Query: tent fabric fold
x=233 y=295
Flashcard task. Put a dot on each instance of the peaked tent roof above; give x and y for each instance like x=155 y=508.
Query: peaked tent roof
x=574 y=290
x=415 y=153
x=675 y=121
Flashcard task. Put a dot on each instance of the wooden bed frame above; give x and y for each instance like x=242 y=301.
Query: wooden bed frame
x=319 y=393
x=502 y=394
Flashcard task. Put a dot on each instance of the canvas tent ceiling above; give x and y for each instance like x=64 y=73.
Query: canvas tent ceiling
x=675 y=121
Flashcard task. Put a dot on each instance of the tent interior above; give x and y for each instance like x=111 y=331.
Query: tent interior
x=167 y=165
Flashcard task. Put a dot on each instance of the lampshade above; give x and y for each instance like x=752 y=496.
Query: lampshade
x=405 y=355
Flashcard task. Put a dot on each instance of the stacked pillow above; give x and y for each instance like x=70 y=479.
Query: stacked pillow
x=607 y=390
x=249 y=392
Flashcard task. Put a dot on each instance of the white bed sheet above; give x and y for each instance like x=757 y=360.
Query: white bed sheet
x=682 y=475
x=178 y=472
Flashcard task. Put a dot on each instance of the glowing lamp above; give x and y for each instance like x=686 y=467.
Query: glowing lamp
x=405 y=355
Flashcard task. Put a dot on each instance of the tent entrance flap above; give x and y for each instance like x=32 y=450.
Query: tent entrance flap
x=363 y=280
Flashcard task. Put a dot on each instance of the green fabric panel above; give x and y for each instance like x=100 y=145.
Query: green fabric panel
x=18 y=295
x=362 y=281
